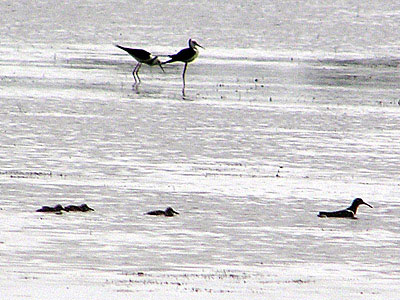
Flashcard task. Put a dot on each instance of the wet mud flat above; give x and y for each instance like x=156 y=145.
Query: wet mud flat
x=262 y=146
x=291 y=109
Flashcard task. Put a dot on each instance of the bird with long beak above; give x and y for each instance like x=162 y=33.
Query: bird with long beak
x=142 y=57
x=349 y=212
x=186 y=55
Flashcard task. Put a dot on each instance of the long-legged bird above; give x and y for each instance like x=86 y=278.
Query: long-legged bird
x=186 y=55
x=142 y=57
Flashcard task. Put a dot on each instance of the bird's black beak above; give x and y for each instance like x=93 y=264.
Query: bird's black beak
x=197 y=44
x=161 y=67
x=367 y=204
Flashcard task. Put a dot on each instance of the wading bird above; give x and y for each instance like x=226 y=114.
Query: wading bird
x=186 y=55
x=349 y=212
x=142 y=57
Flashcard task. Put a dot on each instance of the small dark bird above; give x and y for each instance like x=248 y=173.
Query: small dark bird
x=142 y=57
x=169 y=212
x=82 y=207
x=57 y=209
x=349 y=212
x=186 y=55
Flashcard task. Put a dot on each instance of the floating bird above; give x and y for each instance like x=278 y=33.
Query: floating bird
x=142 y=57
x=186 y=55
x=349 y=212
x=82 y=207
x=169 y=212
x=57 y=209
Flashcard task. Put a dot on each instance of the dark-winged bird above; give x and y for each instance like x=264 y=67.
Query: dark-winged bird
x=186 y=55
x=57 y=209
x=349 y=212
x=83 y=208
x=169 y=212
x=142 y=57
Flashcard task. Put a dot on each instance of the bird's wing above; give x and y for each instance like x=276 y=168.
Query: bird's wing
x=137 y=53
x=182 y=55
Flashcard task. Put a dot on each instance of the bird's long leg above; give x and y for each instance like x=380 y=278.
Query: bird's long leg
x=134 y=72
x=183 y=78
x=137 y=72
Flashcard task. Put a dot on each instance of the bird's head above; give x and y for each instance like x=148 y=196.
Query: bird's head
x=194 y=44
x=170 y=212
x=156 y=61
x=359 y=201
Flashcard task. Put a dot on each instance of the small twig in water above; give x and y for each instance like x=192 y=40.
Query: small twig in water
x=277 y=173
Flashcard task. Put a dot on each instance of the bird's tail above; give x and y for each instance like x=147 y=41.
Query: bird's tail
x=120 y=47
x=168 y=61
x=123 y=48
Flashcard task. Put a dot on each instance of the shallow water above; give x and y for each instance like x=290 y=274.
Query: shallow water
x=309 y=90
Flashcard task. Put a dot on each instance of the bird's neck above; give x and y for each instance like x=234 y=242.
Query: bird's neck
x=154 y=60
x=353 y=208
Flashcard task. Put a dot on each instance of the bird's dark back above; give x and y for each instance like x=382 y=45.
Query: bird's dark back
x=138 y=53
x=183 y=55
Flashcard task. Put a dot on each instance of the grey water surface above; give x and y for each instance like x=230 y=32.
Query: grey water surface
x=309 y=89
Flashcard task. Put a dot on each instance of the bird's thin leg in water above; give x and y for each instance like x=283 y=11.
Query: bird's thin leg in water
x=137 y=73
x=134 y=72
x=183 y=78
